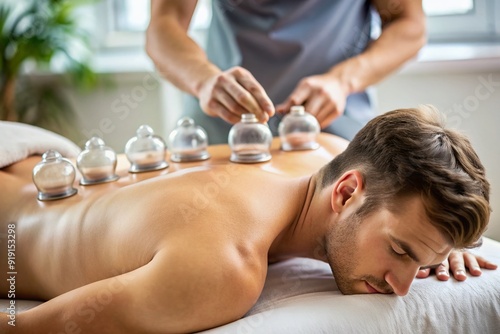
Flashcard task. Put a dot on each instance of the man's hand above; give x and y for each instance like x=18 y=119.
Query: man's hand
x=458 y=262
x=234 y=92
x=321 y=95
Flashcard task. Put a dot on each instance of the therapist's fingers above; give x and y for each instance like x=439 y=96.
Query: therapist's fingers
x=298 y=97
x=215 y=100
x=284 y=107
x=231 y=107
x=218 y=109
x=242 y=98
x=325 y=114
x=314 y=104
x=330 y=111
x=253 y=97
x=315 y=93
x=227 y=89
x=321 y=96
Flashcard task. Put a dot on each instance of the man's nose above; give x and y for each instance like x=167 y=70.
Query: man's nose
x=400 y=281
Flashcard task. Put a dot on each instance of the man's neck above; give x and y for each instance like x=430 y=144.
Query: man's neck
x=304 y=236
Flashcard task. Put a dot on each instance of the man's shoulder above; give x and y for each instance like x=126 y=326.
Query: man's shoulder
x=200 y=281
x=225 y=262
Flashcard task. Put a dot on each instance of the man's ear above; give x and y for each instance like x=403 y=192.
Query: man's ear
x=347 y=186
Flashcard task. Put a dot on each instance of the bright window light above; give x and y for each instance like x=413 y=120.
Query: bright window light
x=132 y=15
x=447 y=7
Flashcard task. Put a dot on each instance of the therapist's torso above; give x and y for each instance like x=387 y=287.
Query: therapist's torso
x=282 y=41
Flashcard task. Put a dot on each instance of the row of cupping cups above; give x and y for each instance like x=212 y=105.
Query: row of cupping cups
x=249 y=140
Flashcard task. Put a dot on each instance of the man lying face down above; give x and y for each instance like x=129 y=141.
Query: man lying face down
x=144 y=258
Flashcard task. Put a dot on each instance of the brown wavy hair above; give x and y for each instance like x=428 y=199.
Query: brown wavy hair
x=409 y=152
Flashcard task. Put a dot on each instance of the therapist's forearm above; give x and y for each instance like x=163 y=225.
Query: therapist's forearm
x=177 y=57
x=399 y=42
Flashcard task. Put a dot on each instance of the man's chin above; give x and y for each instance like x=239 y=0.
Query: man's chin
x=358 y=288
x=355 y=292
x=347 y=289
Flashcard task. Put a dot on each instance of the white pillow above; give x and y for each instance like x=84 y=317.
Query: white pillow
x=18 y=141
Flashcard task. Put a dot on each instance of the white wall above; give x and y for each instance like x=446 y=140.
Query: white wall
x=114 y=112
x=471 y=100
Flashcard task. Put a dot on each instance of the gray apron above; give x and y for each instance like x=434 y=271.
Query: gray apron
x=282 y=41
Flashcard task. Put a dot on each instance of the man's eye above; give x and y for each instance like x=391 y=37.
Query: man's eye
x=397 y=253
x=434 y=266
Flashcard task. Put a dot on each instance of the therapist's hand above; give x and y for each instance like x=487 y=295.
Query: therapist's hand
x=234 y=92
x=321 y=95
x=457 y=263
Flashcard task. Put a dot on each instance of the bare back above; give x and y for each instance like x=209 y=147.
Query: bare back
x=214 y=222
x=106 y=232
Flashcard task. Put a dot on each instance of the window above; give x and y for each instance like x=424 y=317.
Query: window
x=120 y=23
x=462 y=20
x=131 y=15
x=448 y=7
x=123 y=22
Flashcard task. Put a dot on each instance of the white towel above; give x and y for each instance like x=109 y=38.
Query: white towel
x=18 y=141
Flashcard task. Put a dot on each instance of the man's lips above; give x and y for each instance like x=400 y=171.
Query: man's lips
x=370 y=288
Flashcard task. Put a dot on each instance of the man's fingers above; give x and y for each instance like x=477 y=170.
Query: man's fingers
x=423 y=273
x=483 y=263
x=489 y=265
x=443 y=271
x=471 y=262
x=457 y=265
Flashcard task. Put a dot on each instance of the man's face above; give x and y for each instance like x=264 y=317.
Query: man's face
x=383 y=252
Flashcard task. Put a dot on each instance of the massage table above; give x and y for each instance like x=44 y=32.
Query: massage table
x=300 y=295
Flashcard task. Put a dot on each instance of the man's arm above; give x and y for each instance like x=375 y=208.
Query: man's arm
x=184 y=63
x=403 y=34
x=100 y=307
x=179 y=291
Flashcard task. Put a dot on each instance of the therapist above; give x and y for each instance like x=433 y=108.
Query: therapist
x=263 y=56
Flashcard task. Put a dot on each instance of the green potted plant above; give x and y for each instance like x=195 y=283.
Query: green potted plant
x=41 y=32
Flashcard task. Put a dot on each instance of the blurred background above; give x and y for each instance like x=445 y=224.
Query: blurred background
x=79 y=68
